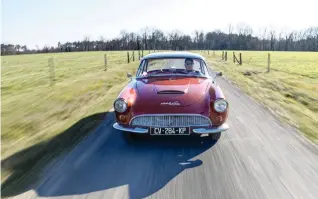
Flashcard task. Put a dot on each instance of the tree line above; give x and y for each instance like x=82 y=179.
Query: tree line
x=155 y=39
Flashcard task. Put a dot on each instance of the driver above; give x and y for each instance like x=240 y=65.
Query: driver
x=188 y=64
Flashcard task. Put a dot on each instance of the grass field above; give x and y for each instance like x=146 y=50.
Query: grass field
x=290 y=89
x=34 y=113
x=42 y=120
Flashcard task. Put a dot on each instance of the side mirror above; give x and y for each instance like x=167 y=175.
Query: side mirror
x=129 y=75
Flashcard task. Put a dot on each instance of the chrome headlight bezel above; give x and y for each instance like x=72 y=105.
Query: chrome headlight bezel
x=220 y=105
x=120 y=105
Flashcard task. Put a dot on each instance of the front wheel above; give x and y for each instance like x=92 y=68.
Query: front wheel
x=215 y=136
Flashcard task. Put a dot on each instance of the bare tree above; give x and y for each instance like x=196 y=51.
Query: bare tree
x=272 y=38
x=263 y=38
x=18 y=47
x=86 y=43
x=235 y=37
x=102 y=43
x=230 y=31
x=24 y=48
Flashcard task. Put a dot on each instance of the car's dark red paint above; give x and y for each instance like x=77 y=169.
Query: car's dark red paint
x=199 y=96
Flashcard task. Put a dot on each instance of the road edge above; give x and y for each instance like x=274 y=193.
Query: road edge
x=297 y=132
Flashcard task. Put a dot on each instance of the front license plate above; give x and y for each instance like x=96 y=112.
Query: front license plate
x=170 y=131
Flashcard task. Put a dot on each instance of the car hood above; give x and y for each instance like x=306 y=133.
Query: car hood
x=176 y=91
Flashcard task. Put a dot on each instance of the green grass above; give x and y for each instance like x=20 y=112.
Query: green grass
x=40 y=121
x=290 y=89
x=34 y=113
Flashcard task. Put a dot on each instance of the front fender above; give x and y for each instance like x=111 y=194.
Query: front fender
x=216 y=93
x=129 y=94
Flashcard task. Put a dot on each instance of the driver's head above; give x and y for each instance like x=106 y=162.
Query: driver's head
x=188 y=63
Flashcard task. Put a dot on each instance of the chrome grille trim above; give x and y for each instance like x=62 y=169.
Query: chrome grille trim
x=170 y=120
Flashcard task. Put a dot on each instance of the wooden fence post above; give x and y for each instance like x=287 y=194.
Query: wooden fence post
x=241 y=59
x=133 y=55
x=233 y=57
x=142 y=53
x=105 y=61
x=225 y=56
x=268 y=62
x=222 y=55
x=51 y=65
x=138 y=54
x=128 y=57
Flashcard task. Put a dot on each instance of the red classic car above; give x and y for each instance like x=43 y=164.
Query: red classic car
x=173 y=93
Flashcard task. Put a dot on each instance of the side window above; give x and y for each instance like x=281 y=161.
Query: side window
x=202 y=67
x=141 y=68
x=205 y=69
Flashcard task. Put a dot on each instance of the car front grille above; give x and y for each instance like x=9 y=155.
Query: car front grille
x=173 y=120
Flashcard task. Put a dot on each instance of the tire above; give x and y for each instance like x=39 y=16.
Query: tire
x=215 y=136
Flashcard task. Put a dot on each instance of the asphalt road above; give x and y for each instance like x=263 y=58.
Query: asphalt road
x=258 y=157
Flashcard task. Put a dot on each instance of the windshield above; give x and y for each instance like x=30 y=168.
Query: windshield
x=172 y=67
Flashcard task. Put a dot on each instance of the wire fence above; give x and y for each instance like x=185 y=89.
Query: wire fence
x=294 y=63
x=57 y=68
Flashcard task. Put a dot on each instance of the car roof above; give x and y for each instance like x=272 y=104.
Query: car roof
x=174 y=54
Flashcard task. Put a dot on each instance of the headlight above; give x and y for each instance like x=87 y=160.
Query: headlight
x=220 y=105
x=120 y=105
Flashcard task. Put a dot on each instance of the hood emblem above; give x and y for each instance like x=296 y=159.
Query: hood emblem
x=176 y=103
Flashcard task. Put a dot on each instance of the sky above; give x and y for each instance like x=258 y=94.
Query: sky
x=46 y=22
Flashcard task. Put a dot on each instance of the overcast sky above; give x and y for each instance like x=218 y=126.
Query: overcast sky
x=40 y=22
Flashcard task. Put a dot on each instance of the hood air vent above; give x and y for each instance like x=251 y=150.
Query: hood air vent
x=170 y=92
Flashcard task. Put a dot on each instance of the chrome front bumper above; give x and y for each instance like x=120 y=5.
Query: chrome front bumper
x=218 y=129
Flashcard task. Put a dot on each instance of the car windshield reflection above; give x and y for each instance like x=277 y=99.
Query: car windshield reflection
x=172 y=67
